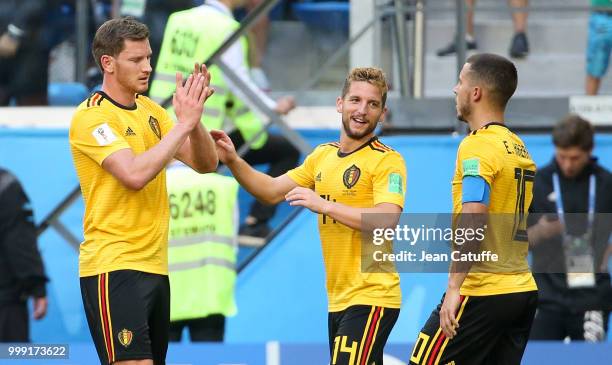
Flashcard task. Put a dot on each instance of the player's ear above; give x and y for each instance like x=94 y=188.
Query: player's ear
x=383 y=115
x=477 y=93
x=339 y=104
x=108 y=63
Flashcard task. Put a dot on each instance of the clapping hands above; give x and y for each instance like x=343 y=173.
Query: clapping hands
x=188 y=100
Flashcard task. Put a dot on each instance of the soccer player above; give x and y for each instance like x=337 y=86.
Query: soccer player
x=340 y=181
x=121 y=142
x=486 y=314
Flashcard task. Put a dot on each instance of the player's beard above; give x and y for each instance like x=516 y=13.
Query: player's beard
x=463 y=111
x=346 y=125
x=140 y=87
x=128 y=81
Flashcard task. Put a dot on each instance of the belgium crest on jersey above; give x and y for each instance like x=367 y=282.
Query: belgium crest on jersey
x=351 y=176
x=125 y=337
x=154 y=124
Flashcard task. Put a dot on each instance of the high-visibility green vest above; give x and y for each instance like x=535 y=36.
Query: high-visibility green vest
x=192 y=36
x=202 y=243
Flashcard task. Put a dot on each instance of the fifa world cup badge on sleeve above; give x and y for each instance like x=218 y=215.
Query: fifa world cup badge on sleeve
x=104 y=134
x=471 y=167
x=395 y=183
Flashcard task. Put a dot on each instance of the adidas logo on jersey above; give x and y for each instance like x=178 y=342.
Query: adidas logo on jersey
x=318 y=178
x=129 y=132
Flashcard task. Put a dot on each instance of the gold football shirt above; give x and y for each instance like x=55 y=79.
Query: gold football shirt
x=123 y=228
x=370 y=175
x=500 y=157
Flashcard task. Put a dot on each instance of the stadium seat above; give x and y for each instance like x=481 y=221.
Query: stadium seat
x=276 y=13
x=66 y=93
x=324 y=16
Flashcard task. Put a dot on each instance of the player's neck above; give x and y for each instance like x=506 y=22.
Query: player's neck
x=479 y=120
x=118 y=93
x=348 y=145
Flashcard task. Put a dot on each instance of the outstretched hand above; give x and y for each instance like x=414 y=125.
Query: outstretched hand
x=188 y=100
x=307 y=198
x=225 y=147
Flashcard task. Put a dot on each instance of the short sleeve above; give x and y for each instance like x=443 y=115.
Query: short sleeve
x=475 y=157
x=303 y=175
x=389 y=180
x=95 y=134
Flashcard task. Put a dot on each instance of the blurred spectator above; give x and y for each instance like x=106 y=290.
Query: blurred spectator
x=202 y=252
x=258 y=45
x=192 y=36
x=599 y=44
x=519 y=47
x=24 y=50
x=21 y=268
x=574 y=301
x=258 y=37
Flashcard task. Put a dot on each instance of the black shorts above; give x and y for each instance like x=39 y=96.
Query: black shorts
x=358 y=334
x=492 y=329
x=128 y=313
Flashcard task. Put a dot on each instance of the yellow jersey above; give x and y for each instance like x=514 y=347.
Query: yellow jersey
x=123 y=228
x=370 y=175
x=500 y=157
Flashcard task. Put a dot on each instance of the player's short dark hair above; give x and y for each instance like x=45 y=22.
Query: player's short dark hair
x=573 y=131
x=498 y=74
x=110 y=37
x=371 y=75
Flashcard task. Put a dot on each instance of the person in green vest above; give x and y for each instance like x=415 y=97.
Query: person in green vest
x=599 y=44
x=192 y=36
x=202 y=248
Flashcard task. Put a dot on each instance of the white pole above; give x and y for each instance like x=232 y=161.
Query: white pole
x=273 y=353
x=365 y=50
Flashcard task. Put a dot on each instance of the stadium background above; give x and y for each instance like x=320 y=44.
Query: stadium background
x=282 y=315
x=280 y=295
